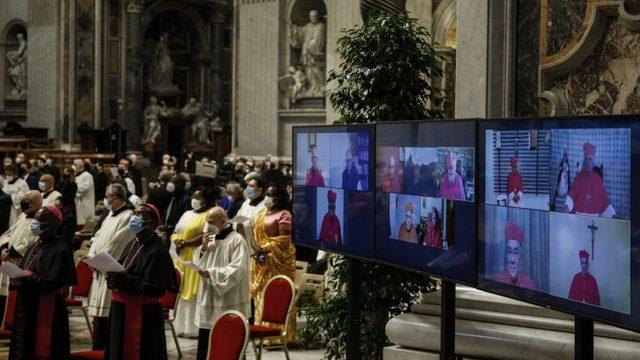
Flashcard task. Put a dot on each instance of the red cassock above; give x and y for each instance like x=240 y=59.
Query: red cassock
x=330 y=230
x=433 y=237
x=514 y=183
x=314 y=178
x=588 y=193
x=523 y=280
x=584 y=288
x=452 y=191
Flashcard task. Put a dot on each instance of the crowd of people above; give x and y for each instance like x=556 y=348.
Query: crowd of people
x=236 y=228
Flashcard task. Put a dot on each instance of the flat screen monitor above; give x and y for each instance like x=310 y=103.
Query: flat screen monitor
x=559 y=214
x=333 y=188
x=425 y=197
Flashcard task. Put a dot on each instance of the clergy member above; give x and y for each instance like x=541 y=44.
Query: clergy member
x=314 y=174
x=41 y=320
x=515 y=186
x=112 y=237
x=85 y=195
x=451 y=183
x=250 y=208
x=224 y=258
x=15 y=187
x=512 y=274
x=49 y=193
x=136 y=324
x=588 y=195
x=407 y=230
x=330 y=229
x=584 y=287
x=350 y=172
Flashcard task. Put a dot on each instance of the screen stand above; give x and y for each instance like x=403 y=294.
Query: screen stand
x=583 y=338
x=448 y=321
x=354 y=306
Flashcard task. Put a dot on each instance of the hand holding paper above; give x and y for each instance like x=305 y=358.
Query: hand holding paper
x=104 y=262
x=11 y=270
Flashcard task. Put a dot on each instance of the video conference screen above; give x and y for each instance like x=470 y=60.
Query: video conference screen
x=559 y=220
x=332 y=188
x=424 y=200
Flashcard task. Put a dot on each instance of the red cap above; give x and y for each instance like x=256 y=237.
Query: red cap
x=583 y=254
x=514 y=161
x=589 y=149
x=331 y=196
x=155 y=211
x=513 y=232
x=54 y=211
x=449 y=158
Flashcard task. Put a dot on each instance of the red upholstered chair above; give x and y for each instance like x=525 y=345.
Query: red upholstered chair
x=9 y=310
x=229 y=337
x=84 y=275
x=279 y=294
x=88 y=355
x=169 y=302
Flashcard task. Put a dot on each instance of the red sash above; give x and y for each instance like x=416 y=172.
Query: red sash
x=133 y=319
x=44 y=327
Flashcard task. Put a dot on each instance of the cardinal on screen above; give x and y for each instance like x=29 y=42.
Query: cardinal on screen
x=314 y=174
x=588 y=195
x=512 y=274
x=515 y=185
x=407 y=230
x=330 y=230
x=584 y=287
x=433 y=237
x=451 y=182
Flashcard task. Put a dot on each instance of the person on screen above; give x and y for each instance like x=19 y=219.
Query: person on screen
x=512 y=275
x=451 y=182
x=588 y=195
x=515 y=186
x=584 y=287
x=350 y=173
x=396 y=186
x=314 y=174
x=330 y=230
x=433 y=237
x=407 y=230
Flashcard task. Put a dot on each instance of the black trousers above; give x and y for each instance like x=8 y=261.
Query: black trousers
x=203 y=344
x=100 y=332
x=3 y=303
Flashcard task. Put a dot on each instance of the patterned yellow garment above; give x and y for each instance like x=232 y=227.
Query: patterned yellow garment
x=190 y=279
x=280 y=260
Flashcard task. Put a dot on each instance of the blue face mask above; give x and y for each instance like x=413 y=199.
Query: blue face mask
x=36 y=228
x=136 y=224
x=42 y=186
x=106 y=204
x=187 y=185
x=250 y=192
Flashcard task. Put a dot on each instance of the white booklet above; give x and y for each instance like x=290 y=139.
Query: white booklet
x=104 y=262
x=191 y=265
x=11 y=270
x=173 y=251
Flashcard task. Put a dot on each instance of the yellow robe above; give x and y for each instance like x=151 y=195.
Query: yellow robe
x=190 y=279
x=280 y=260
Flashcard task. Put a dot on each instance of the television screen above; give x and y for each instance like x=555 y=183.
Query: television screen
x=332 y=188
x=556 y=224
x=425 y=197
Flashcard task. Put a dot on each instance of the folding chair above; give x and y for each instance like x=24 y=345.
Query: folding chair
x=229 y=337
x=169 y=303
x=84 y=275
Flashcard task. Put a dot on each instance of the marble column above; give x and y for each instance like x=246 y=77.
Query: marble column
x=133 y=89
x=219 y=15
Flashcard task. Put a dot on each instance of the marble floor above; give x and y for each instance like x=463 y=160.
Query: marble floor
x=81 y=340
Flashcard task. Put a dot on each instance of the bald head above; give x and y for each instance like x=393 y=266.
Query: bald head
x=31 y=202
x=218 y=217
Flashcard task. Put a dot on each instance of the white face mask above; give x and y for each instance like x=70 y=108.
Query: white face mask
x=42 y=186
x=171 y=187
x=196 y=204
x=211 y=229
x=106 y=204
x=268 y=202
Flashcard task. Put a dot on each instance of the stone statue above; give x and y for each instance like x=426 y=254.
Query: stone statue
x=161 y=76
x=202 y=125
x=152 y=128
x=291 y=85
x=18 y=69
x=310 y=39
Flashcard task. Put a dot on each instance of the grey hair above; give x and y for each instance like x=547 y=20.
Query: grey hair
x=118 y=191
x=233 y=188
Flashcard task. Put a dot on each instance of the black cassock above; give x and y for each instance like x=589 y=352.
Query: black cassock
x=41 y=312
x=136 y=318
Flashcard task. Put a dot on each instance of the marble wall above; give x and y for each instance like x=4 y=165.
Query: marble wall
x=11 y=12
x=84 y=61
x=527 y=57
x=563 y=24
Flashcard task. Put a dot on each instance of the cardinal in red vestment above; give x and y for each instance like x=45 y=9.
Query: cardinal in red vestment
x=584 y=287
x=451 y=183
x=433 y=237
x=588 y=195
x=314 y=175
x=330 y=230
x=512 y=275
x=407 y=230
x=515 y=185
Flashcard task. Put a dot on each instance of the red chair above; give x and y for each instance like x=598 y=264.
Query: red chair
x=84 y=275
x=88 y=355
x=169 y=302
x=229 y=337
x=279 y=294
x=9 y=310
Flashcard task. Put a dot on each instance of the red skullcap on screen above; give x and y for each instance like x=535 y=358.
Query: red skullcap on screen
x=155 y=211
x=513 y=232
x=514 y=161
x=54 y=211
x=331 y=196
x=583 y=254
x=589 y=149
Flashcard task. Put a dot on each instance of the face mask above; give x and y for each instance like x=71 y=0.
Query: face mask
x=24 y=206
x=17 y=161
x=196 y=204
x=37 y=228
x=230 y=198
x=49 y=162
x=106 y=204
x=136 y=224
x=187 y=185
x=165 y=161
x=171 y=187
x=268 y=202
x=250 y=192
x=212 y=229
x=42 y=186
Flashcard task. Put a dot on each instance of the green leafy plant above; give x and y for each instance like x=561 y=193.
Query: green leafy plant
x=388 y=63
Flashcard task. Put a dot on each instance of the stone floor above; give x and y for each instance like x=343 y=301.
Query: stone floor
x=81 y=340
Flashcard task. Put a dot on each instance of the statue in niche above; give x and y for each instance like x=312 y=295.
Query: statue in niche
x=202 y=125
x=18 y=69
x=161 y=75
x=292 y=86
x=152 y=129
x=310 y=39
